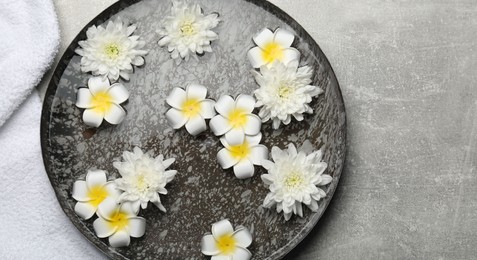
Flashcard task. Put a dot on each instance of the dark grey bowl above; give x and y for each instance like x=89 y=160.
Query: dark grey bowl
x=201 y=193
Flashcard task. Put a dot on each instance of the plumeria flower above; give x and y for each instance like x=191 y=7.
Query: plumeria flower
x=226 y=244
x=243 y=156
x=293 y=178
x=271 y=47
x=143 y=178
x=285 y=91
x=235 y=118
x=111 y=51
x=190 y=108
x=119 y=222
x=92 y=192
x=102 y=101
x=187 y=30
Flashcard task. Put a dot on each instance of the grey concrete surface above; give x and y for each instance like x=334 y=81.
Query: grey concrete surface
x=407 y=70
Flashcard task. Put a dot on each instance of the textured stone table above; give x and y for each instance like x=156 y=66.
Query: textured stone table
x=407 y=70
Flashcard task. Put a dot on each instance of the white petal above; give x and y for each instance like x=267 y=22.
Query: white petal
x=176 y=98
x=255 y=57
x=138 y=61
x=245 y=102
x=196 y=125
x=112 y=189
x=235 y=136
x=80 y=191
x=259 y=153
x=243 y=237
x=221 y=257
x=98 y=84
x=108 y=208
x=196 y=91
x=224 y=105
x=103 y=228
x=137 y=226
x=219 y=125
x=175 y=118
x=83 y=98
x=283 y=37
x=325 y=179
x=85 y=210
x=207 y=109
x=241 y=254
x=264 y=37
x=253 y=139
x=225 y=159
x=221 y=228
x=253 y=125
x=95 y=178
x=92 y=118
x=115 y=114
x=128 y=209
x=119 y=239
x=290 y=54
x=208 y=245
x=292 y=149
x=244 y=169
x=119 y=93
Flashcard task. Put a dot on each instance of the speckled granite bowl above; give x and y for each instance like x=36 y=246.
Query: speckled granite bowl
x=201 y=193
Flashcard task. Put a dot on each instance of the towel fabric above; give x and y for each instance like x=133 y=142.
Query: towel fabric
x=33 y=224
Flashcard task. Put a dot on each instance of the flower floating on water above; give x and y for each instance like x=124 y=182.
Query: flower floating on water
x=111 y=51
x=235 y=119
x=293 y=178
x=143 y=178
x=284 y=91
x=102 y=101
x=271 y=47
x=187 y=30
x=92 y=192
x=225 y=243
x=190 y=108
x=243 y=156
x=119 y=222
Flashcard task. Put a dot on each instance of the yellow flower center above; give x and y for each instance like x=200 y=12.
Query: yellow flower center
x=102 y=102
x=294 y=181
x=187 y=29
x=141 y=183
x=240 y=151
x=284 y=91
x=119 y=220
x=111 y=50
x=97 y=195
x=238 y=118
x=191 y=108
x=226 y=244
x=272 y=51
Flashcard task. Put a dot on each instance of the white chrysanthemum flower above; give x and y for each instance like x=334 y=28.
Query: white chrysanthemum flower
x=187 y=30
x=92 y=192
x=111 y=51
x=244 y=156
x=143 y=178
x=225 y=243
x=293 y=179
x=102 y=101
x=235 y=118
x=271 y=47
x=119 y=222
x=284 y=91
x=190 y=108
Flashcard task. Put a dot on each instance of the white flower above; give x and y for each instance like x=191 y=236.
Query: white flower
x=243 y=156
x=190 y=108
x=92 y=192
x=292 y=179
x=102 y=101
x=272 y=46
x=110 y=51
x=284 y=91
x=143 y=178
x=119 y=222
x=235 y=118
x=187 y=30
x=226 y=244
